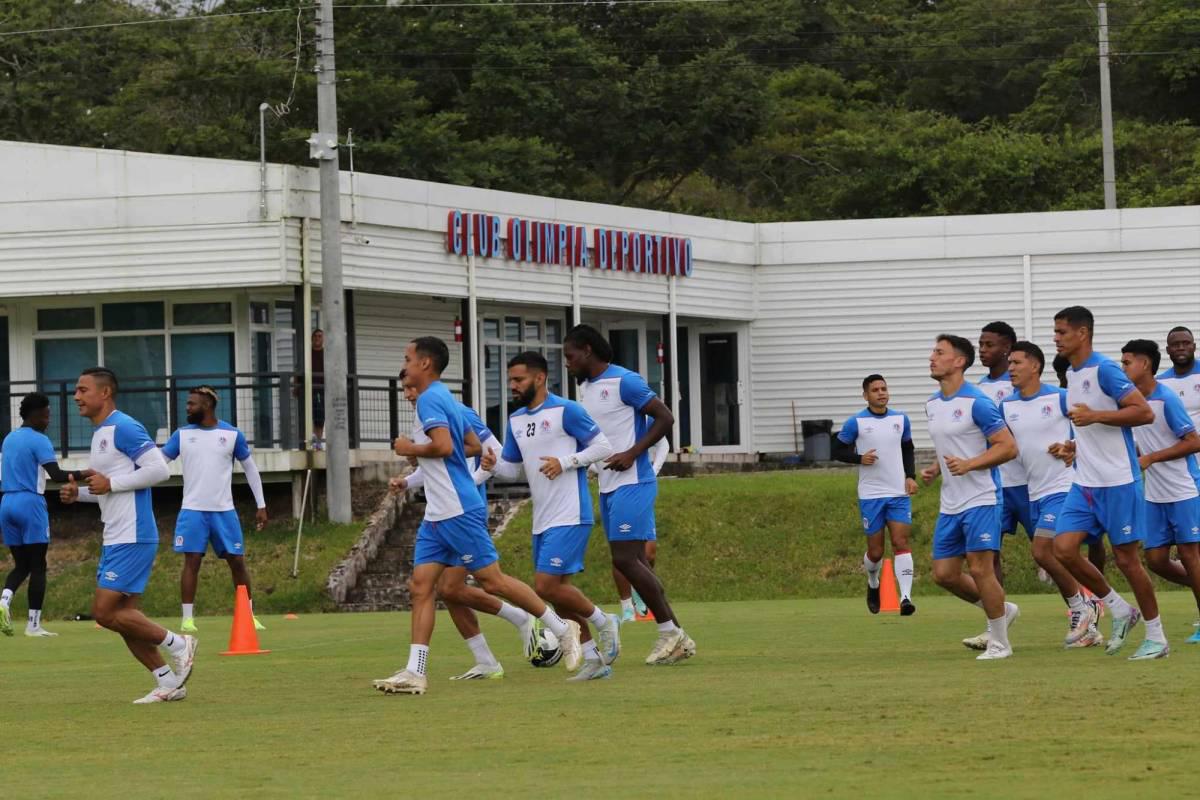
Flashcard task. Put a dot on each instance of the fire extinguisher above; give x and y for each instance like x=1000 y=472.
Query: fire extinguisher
x=458 y=333
x=660 y=353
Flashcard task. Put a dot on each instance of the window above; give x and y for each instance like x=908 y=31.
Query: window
x=260 y=313
x=66 y=319
x=132 y=316
x=519 y=333
x=59 y=362
x=201 y=313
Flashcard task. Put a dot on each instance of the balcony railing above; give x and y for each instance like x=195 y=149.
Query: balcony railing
x=268 y=407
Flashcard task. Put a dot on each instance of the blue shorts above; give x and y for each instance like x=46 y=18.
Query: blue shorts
x=877 y=511
x=24 y=519
x=1172 y=523
x=628 y=513
x=1112 y=510
x=560 y=550
x=461 y=541
x=970 y=531
x=125 y=568
x=1016 y=509
x=195 y=530
x=1045 y=511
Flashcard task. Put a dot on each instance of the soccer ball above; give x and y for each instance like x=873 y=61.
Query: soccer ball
x=548 y=652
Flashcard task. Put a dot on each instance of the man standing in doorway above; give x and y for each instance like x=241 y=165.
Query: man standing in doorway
x=317 y=368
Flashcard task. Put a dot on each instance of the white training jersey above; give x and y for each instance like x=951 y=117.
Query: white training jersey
x=128 y=517
x=1167 y=481
x=616 y=401
x=883 y=434
x=207 y=456
x=1186 y=387
x=557 y=428
x=450 y=489
x=1104 y=454
x=1012 y=473
x=1037 y=422
x=960 y=426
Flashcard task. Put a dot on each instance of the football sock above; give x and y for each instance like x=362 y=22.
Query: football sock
x=35 y=618
x=590 y=651
x=1154 y=630
x=174 y=643
x=6 y=597
x=597 y=617
x=904 y=573
x=667 y=627
x=554 y=623
x=872 y=568
x=1116 y=604
x=999 y=629
x=483 y=654
x=511 y=614
x=1076 y=602
x=166 y=678
x=189 y=610
x=627 y=605
x=418 y=658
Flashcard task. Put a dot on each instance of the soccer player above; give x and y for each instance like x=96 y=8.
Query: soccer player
x=620 y=402
x=551 y=442
x=971 y=441
x=1036 y=413
x=454 y=532
x=880 y=441
x=1168 y=447
x=28 y=456
x=1095 y=545
x=208 y=447
x=463 y=600
x=125 y=465
x=631 y=601
x=995 y=343
x=1105 y=496
x=1183 y=376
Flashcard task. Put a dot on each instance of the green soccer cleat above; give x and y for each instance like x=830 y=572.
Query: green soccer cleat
x=1194 y=638
x=5 y=622
x=481 y=673
x=188 y=625
x=627 y=615
x=258 y=626
x=1150 y=650
x=638 y=605
x=1120 y=629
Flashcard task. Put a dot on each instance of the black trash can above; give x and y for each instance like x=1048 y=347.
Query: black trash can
x=817 y=439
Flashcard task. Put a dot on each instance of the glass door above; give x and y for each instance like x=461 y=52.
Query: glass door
x=719 y=390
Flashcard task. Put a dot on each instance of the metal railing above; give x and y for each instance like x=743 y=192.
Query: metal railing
x=266 y=406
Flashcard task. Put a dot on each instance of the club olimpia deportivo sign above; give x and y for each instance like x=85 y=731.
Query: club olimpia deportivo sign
x=535 y=242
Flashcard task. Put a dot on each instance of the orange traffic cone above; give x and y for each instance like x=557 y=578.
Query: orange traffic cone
x=648 y=616
x=290 y=616
x=243 y=639
x=889 y=598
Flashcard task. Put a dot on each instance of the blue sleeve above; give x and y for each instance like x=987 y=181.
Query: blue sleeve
x=579 y=424
x=241 y=450
x=986 y=416
x=906 y=436
x=1062 y=402
x=1113 y=381
x=634 y=391
x=130 y=438
x=1177 y=416
x=511 y=452
x=43 y=449
x=476 y=424
x=849 y=432
x=431 y=413
x=171 y=448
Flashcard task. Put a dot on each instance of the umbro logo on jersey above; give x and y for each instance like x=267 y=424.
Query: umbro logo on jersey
x=625 y=527
x=868 y=429
x=1128 y=529
x=191 y=440
x=111 y=576
x=985 y=537
x=1014 y=417
x=556 y=562
x=467 y=558
x=1047 y=518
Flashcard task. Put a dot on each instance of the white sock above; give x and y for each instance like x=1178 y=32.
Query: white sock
x=667 y=627
x=6 y=597
x=904 y=574
x=1116 y=604
x=872 y=568
x=483 y=654
x=189 y=610
x=627 y=605
x=554 y=623
x=418 y=658
x=1154 y=630
x=166 y=678
x=1076 y=602
x=511 y=614
x=598 y=617
x=35 y=618
x=590 y=651
x=998 y=629
x=174 y=643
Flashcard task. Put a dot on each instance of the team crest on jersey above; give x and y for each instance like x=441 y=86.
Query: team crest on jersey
x=1087 y=386
x=179 y=541
x=545 y=424
x=1000 y=394
x=1195 y=388
x=604 y=394
x=1046 y=412
x=221 y=440
x=896 y=428
x=104 y=445
x=957 y=415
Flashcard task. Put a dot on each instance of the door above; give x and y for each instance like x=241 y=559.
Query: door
x=720 y=405
x=684 y=412
x=626 y=346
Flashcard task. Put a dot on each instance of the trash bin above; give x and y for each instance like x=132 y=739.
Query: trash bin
x=817 y=444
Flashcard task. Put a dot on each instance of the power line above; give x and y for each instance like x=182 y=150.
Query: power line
x=515 y=3
x=151 y=21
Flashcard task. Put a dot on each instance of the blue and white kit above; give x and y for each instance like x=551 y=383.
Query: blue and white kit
x=1038 y=421
x=23 y=515
x=881 y=494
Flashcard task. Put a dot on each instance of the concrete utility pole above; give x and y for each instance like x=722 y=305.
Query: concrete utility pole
x=1106 y=123
x=323 y=145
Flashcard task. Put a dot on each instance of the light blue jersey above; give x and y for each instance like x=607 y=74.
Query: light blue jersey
x=128 y=517
x=484 y=433
x=884 y=434
x=1186 y=386
x=617 y=401
x=960 y=426
x=1104 y=454
x=25 y=450
x=450 y=488
x=1012 y=473
x=1174 y=480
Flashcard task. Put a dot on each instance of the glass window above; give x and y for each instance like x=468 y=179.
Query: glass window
x=202 y=314
x=59 y=362
x=203 y=354
x=554 y=331
x=533 y=330
x=66 y=319
x=654 y=370
x=260 y=313
x=512 y=329
x=554 y=377
x=491 y=329
x=136 y=359
x=493 y=378
x=133 y=316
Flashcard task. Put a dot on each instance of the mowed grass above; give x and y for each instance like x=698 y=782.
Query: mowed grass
x=794 y=698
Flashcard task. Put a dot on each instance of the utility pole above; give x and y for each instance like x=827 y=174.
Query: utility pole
x=323 y=146
x=1106 y=123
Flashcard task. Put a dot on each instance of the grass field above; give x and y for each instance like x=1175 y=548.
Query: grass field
x=794 y=698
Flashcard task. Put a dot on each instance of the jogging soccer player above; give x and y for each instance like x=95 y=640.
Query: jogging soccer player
x=631 y=601
x=208 y=447
x=620 y=402
x=28 y=456
x=1036 y=413
x=971 y=441
x=1095 y=546
x=1183 y=376
x=1167 y=450
x=879 y=440
x=463 y=600
x=1105 y=495
x=454 y=532
x=551 y=442
x=125 y=464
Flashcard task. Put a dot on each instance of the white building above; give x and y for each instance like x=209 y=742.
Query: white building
x=169 y=268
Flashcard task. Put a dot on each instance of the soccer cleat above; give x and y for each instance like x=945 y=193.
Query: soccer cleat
x=181 y=664
x=5 y=622
x=1151 y=650
x=979 y=642
x=685 y=650
x=639 y=605
x=1093 y=638
x=994 y=652
x=1120 y=629
x=592 y=671
x=188 y=625
x=907 y=609
x=873 y=599
x=258 y=626
x=608 y=639
x=668 y=649
x=1081 y=623
x=1194 y=638
x=481 y=673
x=39 y=632
x=572 y=650
x=403 y=682
x=162 y=694
x=529 y=631
x=626 y=615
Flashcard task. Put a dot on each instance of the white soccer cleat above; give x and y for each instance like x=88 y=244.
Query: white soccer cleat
x=979 y=642
x=608 y=638
x=162 y=694
x=528 y=631
x=403 y=682
x=592 y=671
x=181 y=664
x=668 y=649
x=481 y=673
x=1092 y=638
x=1082 y=623
x=994 y=651
x=572 y=650
x=687 y=649
x=39 y=631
